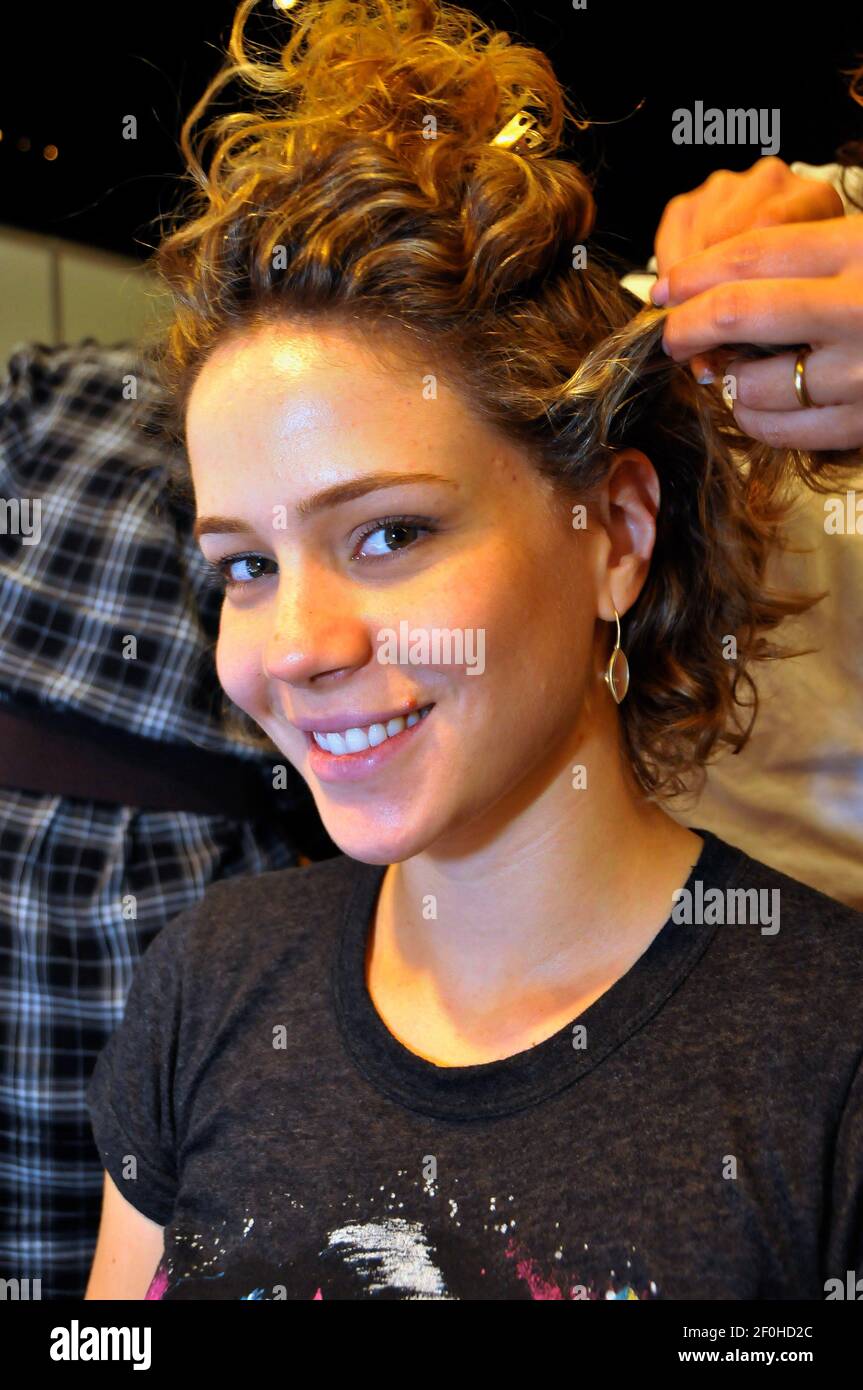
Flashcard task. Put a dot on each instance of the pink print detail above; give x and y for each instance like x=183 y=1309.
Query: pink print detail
x=317 y=1295
x=159 y=1283
x=528 y=1270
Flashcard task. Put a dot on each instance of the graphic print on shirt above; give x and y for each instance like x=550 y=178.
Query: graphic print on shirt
x=378 y=1252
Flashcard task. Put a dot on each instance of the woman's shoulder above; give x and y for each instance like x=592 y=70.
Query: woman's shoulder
x=782 y=934
x=773 y=997
x=799 y=906
x=283 y=884
x=277 y=890
x=249 y=911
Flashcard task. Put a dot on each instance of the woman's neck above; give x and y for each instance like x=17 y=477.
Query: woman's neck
x=479 y=950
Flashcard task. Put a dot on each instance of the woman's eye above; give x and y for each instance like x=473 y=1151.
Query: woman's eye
x=393 y=535
x=229 y=573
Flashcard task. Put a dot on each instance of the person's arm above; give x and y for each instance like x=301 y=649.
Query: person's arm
x=136 y=1103
x=128 y=1249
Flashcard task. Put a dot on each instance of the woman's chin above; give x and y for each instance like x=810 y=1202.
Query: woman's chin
x=372 y=842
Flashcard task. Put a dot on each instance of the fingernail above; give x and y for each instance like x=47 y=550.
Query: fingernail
x=659 y=291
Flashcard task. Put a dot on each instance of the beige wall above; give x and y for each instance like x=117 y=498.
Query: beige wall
x=54 y=291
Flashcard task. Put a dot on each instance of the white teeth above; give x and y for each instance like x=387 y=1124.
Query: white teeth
x=357 y=740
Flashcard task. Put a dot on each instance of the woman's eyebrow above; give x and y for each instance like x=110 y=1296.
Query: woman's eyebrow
x=329 y=497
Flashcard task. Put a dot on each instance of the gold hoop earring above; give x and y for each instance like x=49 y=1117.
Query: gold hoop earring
x=617 y=672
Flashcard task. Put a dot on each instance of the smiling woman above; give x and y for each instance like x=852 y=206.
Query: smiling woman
x=394 y=218
x=407 y=402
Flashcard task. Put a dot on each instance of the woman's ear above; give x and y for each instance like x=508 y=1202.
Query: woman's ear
x=629 y=506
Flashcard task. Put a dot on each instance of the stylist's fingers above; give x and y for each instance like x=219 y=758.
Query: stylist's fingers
x=736 y=204
x=767 y=312
x=817 y=203
x=694 y=220
x=835 y=427
x=741 y=214
x=834 y=376
x=727 y=203
x=674 y=239
x=803 y=249
x=762 y=397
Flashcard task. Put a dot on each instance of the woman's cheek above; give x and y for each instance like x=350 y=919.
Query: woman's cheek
x=458 y=595
x=240 y=676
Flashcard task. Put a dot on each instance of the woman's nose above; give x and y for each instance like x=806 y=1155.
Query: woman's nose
x=314 y=630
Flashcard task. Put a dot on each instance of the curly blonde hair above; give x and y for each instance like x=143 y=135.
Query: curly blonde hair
x=360 y=187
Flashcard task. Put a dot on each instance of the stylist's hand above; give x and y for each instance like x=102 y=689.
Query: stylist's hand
x=767 y=195
x=775 y=280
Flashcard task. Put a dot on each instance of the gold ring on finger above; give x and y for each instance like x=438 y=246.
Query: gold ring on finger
x=800 y=379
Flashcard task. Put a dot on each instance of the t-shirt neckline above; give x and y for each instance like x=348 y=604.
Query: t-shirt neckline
x=526 y=1078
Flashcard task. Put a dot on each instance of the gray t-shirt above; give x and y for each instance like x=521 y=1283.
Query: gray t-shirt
x=696 y=1133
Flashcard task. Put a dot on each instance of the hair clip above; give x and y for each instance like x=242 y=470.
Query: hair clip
x=521 y=127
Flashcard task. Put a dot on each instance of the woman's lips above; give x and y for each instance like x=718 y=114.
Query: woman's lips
x=353 y=767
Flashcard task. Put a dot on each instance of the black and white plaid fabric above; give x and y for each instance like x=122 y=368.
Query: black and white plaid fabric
x=86 y=885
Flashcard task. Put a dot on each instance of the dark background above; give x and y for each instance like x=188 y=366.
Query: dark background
x=71 y=75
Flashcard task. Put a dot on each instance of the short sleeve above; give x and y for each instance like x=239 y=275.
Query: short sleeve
x=845 y=1246
x=131 y=1093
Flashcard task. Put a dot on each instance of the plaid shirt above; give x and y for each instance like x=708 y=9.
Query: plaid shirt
x=115 y=558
